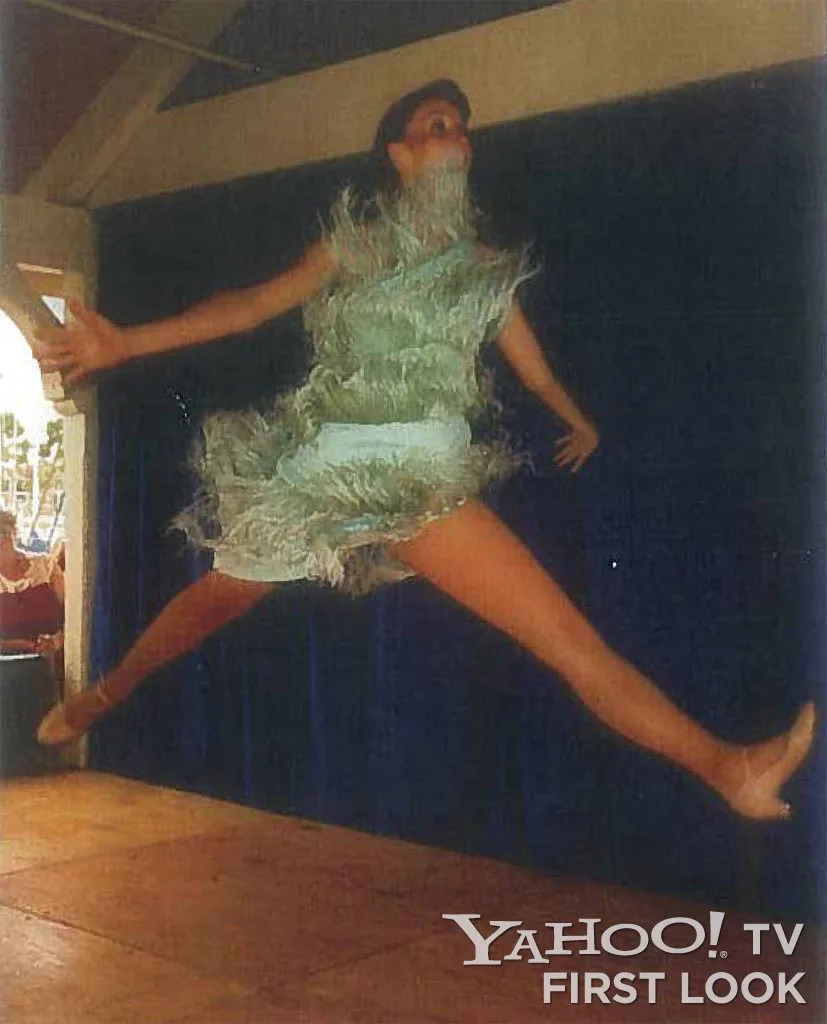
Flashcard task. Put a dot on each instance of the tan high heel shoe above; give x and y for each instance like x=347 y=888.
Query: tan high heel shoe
x=55 y=731
x=758 y=795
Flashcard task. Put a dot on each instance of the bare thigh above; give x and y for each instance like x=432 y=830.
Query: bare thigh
x=476 y=559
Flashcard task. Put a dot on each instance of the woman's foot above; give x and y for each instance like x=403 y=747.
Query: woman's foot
x=70 y=719
x=752 y=777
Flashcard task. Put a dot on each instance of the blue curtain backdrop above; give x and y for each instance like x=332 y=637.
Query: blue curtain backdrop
x=680 y=298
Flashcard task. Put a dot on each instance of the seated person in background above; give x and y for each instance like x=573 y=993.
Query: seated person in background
x=31 y=598
x=59 y=555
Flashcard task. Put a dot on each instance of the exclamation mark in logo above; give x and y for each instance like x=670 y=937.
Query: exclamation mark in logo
x=716 y=922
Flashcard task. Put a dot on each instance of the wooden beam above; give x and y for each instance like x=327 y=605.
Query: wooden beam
x=128 y=100
x=572 y=55
x=136 y=32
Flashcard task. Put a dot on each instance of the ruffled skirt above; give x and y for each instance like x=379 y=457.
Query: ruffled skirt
x=327 y=509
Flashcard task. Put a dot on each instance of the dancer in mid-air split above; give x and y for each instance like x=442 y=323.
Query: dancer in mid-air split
x=368 y=470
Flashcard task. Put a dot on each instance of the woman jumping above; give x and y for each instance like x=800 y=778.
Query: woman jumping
x=368 y=472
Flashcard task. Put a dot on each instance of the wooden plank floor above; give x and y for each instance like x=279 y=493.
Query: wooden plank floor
x=122 y=902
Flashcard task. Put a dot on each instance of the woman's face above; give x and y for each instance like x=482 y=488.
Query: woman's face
x=436 y=134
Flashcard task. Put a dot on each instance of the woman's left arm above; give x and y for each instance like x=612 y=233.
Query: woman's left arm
x=520 y=347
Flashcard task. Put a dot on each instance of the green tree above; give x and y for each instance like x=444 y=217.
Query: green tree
x=54 y=440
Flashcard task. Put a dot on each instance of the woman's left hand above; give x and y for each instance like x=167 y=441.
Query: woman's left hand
x=576 y=446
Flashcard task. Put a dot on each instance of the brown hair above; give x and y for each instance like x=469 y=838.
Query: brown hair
x=8 y=522
x=395 y=121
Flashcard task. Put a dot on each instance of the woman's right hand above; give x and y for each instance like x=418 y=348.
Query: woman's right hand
x=89 y=344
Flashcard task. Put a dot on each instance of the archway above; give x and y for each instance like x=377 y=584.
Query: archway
x=32 y=458
x=69 y=449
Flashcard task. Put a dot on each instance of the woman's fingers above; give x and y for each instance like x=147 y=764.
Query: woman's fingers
x=61 y=357
x=41 y=349
x=574 y=449
x=53 y=355
x=50 y=349
x=87 y=344
x=571 y=461
x=72 y=377
x=49 y=335
x=77 y=309
x=56 y=361
x=90 y=319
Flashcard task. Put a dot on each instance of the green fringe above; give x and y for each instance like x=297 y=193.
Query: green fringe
x=396 y=339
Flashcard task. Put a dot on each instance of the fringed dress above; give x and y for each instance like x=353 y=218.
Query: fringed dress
x=376 y=444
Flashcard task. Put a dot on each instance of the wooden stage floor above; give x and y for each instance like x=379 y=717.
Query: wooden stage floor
x=122 y=902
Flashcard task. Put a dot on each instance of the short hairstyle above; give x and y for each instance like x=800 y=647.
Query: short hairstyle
x=8 y=522
x=395 y=120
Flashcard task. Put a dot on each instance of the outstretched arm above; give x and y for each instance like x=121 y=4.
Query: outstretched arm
x=520 y=347
x=94 y=343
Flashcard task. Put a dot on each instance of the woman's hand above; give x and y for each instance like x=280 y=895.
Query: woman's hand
x=48 y=643
x=90 y=344
x=521 y=348
x=576 y=446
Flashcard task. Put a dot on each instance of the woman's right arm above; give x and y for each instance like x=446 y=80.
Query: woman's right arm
x=93 y=343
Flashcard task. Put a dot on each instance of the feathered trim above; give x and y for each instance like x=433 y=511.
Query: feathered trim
x=395 y=232
x=397 y=336
x=332 y=524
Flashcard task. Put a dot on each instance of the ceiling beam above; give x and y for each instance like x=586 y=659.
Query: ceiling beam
x=127 y=101
x=563 y=57
x=136 y=32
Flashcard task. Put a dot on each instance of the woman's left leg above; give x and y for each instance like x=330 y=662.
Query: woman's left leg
x=201 y=609
x=472 y=556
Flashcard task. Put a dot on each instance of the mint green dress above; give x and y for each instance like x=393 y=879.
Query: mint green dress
x=376 y=444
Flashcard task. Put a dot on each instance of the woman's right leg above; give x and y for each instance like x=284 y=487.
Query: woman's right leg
x=473 y=557
x=191 y=616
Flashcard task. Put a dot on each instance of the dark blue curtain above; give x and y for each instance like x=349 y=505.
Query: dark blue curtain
x=680 y=298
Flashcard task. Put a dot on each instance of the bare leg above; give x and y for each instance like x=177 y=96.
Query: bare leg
x=191 y=616
x=474 y=558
